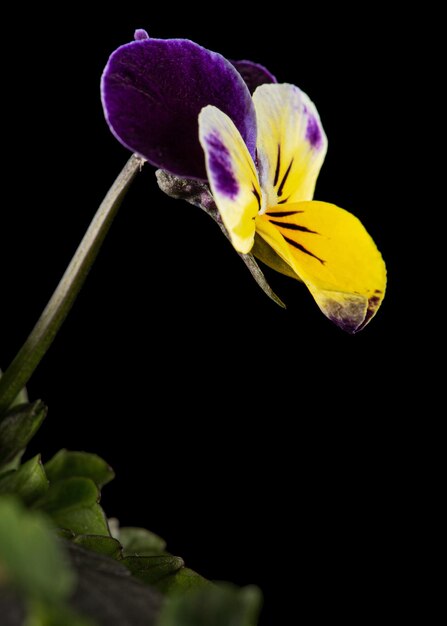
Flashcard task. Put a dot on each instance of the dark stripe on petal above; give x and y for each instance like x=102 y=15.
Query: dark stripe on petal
x=290 y=226
x=284 y=179
x=298 y=246
x=283 y=201
x=255 y=192
x=278 y=165
x=282 y=213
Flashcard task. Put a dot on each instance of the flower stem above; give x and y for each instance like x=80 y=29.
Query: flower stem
x=57 y=309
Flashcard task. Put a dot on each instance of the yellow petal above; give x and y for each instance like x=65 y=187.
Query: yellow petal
x=232 y=176
x=333 y=254
x=291 y=143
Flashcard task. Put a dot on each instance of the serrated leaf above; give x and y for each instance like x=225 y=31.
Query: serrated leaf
x=182 y=581
x=100 y=544
x=67 y=464
x=140 y=541
x=83 y=520
x=73 y=504
x=29 y=481
x=215 y=605
x=151 y=569
x=30 y=554
x=17 y=427
x=69 y=494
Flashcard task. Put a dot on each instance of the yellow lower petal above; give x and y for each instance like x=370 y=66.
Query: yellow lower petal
x=330 y=250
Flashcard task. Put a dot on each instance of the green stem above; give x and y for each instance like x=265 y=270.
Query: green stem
x=57 y=309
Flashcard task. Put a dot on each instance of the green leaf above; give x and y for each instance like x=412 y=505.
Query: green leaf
x=18 y=427
x=100 y=544
x=140 y=541
x=183 y=580
x=151 y=569
x=66 y=464
x=217 y=605
x=31 y=557
x=73 y=504
x=29 y=481
x=69 y=494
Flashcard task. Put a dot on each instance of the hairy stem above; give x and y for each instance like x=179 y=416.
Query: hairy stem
x=57 y=309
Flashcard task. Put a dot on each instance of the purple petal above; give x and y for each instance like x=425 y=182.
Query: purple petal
x=253 y=74
x=313 y=132
x=221 y=167
x=153 y=91
x=140 y=34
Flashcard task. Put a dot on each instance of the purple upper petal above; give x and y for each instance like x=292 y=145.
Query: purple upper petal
x=253 y=74
x=153 y=91
x=140 y=33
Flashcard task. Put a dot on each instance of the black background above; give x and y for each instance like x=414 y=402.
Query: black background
x=265 y=445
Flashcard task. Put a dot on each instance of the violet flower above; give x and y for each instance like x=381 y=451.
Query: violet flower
x=190 y=112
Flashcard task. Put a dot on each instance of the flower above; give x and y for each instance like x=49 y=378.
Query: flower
x=325 y=246
x=189 y=111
